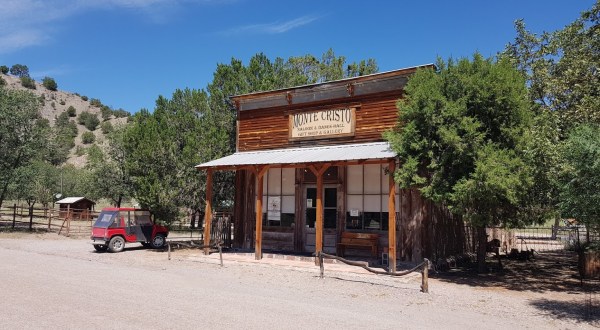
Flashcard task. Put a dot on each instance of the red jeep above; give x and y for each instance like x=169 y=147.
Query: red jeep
x=117 y=225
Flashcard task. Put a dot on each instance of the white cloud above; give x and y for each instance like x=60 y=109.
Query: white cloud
x=27 y=23
x=272 y=28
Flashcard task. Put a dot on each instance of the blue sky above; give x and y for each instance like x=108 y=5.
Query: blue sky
x=128 y=52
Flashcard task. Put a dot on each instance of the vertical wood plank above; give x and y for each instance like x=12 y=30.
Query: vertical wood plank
x=392 y=218
x=208 y=210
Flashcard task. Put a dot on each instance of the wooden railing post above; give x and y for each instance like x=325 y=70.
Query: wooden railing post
x=425 y=276
x=50 y=218
x=31 y=217
x=14 y=215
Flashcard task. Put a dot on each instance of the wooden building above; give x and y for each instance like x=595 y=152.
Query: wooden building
x=313 y=160
x=75 y=207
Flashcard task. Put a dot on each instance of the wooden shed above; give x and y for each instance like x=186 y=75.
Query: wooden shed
x=75 y=207
x=312 y=160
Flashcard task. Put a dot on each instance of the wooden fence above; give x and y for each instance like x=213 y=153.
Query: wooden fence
x=73 y=222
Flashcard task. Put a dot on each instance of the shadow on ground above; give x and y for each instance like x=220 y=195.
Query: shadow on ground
x=548 y=273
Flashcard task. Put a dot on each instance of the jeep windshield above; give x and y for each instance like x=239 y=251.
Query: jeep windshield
x=105 y=219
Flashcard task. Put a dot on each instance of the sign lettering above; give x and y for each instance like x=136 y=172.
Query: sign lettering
x=322 y=124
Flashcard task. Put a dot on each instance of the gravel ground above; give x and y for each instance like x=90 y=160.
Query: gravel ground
x=48 y=281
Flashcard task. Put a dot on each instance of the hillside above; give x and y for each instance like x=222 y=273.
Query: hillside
x=57 y=102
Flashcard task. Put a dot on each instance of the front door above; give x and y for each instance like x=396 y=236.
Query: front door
x=329 y=217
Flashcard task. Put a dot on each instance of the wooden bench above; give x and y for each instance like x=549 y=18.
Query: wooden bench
x=358 y=240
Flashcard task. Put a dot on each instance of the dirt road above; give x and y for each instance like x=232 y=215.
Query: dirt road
x=47 y=281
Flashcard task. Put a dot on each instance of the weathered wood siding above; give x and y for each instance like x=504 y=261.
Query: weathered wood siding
x=269 y=128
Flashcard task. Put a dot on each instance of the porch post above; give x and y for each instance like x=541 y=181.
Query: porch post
x=319 y=220
x=208 y=211
x=392 y=219
x=260 y=172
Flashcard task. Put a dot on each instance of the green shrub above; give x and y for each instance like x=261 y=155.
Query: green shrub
x=53 y=105
x=71 y=111
x=42 y=99
x=2 y=81
x=107 y=127
x=85 y=98
x=120 y=113
x=4 y=69
x=88 y=137
x=49 y=83
x=106 y=112
x=89 y=120
x=28 y=82
x=95 y=103
x=62 y=102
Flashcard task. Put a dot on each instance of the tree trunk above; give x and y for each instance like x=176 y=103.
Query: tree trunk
x=119 y=200
x=481 y=249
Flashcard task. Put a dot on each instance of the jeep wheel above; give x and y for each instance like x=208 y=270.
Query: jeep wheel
x=116 y=244
x=158 y=241
x=100 y=247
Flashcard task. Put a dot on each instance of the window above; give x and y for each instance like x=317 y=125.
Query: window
x=279 y=188
x=367 y=197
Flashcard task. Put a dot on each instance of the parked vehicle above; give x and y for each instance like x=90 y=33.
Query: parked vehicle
x=117 y=226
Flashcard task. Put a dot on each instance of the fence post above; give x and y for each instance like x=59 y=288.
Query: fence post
x=50 y=218
x=31 y=217
x=425 y=276
x=321 y=267
x=14 y=215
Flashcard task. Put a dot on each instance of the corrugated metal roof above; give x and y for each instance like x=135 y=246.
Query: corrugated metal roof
x=347 y=152
x=71 y=200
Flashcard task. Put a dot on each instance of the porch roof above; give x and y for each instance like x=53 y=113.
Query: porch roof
x=296 y=156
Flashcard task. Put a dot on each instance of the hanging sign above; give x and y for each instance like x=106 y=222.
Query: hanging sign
x=322 y=124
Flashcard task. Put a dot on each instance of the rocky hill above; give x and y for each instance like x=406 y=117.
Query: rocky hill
x=57 y=102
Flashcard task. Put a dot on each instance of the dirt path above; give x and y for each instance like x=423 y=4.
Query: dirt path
x=49 y=281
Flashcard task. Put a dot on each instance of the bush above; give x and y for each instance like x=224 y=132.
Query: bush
x=71 y=111
x=4 y=69
x=95 y=103
x=19 y=70
x=28 y=82
x=121 y=113
x=106 y=112
x=85 y=98
x=2 y=81
x=62 y=102
x=49 y=83
x=53 y=105
x=88 y=137
x=107 y=127
x=89 y=120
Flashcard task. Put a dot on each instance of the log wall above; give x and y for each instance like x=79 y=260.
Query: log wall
x=269 y=128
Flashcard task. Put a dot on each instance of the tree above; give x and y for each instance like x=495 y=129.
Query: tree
x=109 y=170
x=106 y=127
x=580 y=189
x=562 y=68
x=38 y=180
x=20 y=137
x=19 y=70
x=49 y=83
x=106 y=112
x=3 y=69
x=460 y=136
x=89 y=120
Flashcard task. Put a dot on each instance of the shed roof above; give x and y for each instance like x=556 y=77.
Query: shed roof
x=292 y=156
x=71 y=200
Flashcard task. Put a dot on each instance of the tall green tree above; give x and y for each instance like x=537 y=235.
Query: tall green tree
x=109 y=172
x=460 y=138
x=580 y=189
x=20 y=137
x=562 y=68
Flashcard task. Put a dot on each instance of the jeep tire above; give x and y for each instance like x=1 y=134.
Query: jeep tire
x=116 y=244
x=158 y=241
